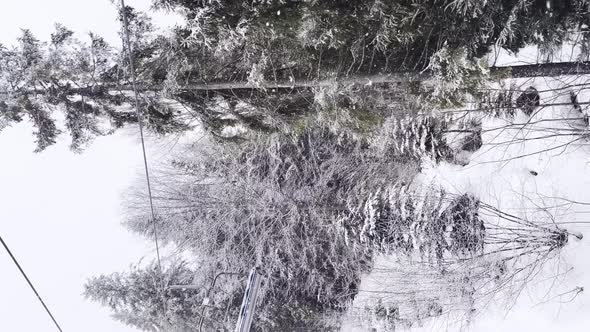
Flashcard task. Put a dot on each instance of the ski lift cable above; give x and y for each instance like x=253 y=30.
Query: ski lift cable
x=127 y=44
x=30 y=283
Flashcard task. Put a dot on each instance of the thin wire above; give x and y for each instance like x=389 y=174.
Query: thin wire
x=30 y=284
x=139 y=121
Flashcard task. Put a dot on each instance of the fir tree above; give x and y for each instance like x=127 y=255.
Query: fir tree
x=138 y=297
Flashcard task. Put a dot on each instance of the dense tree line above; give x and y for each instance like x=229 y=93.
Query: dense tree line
x=312 y=209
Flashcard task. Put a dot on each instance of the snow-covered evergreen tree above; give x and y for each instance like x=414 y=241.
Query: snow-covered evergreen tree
x=142 y=298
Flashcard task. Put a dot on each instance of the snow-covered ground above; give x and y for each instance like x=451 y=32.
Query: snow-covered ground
x=531 y=55
x=501 y=173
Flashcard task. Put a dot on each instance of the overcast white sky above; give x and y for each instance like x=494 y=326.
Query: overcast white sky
x=60 y=212
x=82 y=16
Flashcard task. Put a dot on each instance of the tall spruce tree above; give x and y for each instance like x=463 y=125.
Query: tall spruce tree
x=258 y=42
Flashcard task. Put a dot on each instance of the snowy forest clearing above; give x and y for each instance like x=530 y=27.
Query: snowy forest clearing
x=534 y=167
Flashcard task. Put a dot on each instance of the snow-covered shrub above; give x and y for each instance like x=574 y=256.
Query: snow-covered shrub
x=398 y=219
x=413 y=137
x=498 y=103
x=455 y=76
x=473 y=141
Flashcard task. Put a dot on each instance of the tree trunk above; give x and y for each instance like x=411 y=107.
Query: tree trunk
x=393 y=80
x=545 y=69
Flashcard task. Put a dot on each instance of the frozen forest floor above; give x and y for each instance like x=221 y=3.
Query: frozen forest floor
x=535 y=167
